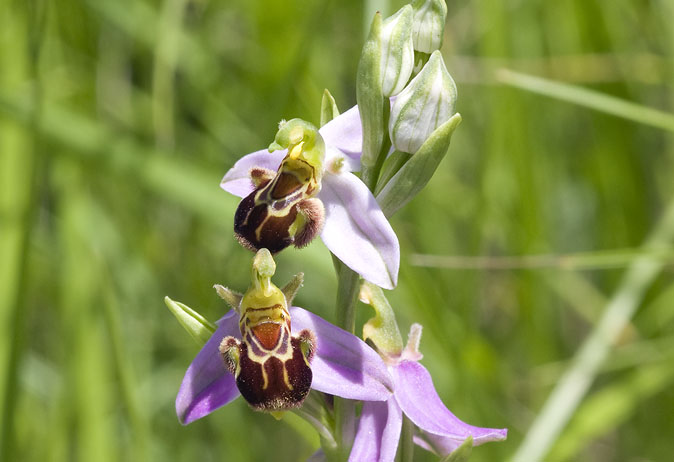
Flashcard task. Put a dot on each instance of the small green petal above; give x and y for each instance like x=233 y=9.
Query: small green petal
x=290 y=289
x=232 y=298
x=329 y=108
x=195 y=324
x=382 y=330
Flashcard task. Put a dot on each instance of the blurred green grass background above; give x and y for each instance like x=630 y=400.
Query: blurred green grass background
x=118 y=118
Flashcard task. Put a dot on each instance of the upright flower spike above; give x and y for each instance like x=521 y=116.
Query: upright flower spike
x=353 y=226
x=424 y=105
x=428 y=25
x=379 y=428
x=281 y=211
x=256 y=351
x=422 y=123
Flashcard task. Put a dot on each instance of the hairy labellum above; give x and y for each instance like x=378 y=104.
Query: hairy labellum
x=272 y=367
x=282 y=209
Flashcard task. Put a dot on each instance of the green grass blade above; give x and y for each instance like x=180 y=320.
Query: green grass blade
x=588 y=98
x=574 y=384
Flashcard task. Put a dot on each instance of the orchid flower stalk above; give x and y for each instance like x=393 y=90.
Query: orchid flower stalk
x=340 y=182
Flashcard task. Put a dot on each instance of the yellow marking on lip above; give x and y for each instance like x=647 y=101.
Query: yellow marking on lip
x=286 y=379
x=265 y=379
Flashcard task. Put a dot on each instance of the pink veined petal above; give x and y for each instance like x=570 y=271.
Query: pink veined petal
x=207 y=385
x=345 y=133
x=378 y=432
x=418 y=399
x=357 y=231
x=237 y=179
x=344 y=365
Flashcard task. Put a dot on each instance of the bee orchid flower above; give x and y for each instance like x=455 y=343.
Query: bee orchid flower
x=272 y=353
x=303 y=186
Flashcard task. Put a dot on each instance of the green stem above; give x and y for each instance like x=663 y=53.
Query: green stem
x=348 y=286
x=406 y=447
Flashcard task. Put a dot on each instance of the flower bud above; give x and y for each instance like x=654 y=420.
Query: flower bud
x=397 y=51
x=424 y=105
x=428 y=25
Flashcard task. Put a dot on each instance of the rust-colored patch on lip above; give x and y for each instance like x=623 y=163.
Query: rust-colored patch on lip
x=267 y=334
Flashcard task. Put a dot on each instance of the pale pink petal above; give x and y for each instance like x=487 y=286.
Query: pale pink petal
x=237 y=179
x=357 y=231
x=345 y=133
x=344 y=365
x=418 y=399
x=207 y=385
x=378 y=432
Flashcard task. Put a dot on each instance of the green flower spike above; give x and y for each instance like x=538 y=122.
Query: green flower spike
x=422 y=123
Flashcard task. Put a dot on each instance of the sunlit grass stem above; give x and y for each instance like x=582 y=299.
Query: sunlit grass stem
x=588 y=98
